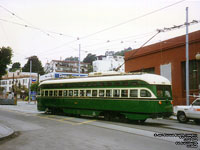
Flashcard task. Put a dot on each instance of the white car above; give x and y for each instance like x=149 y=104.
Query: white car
x=185 y=113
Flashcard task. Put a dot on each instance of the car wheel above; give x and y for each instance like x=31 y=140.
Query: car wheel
x=181 y=117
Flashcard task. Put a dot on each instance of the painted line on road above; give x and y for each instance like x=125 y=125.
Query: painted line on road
x=59 y=120
x=65 y=120
x=85 y=122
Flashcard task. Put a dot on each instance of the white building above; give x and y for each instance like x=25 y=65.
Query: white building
x=65 y=66
x=108 y=63
x=19 y=78
x=56 y=75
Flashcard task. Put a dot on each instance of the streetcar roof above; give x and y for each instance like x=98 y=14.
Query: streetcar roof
x=149 y=78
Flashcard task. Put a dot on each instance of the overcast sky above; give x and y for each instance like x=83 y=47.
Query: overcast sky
x=124 y=23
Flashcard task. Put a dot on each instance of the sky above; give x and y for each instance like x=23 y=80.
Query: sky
x=54 y=29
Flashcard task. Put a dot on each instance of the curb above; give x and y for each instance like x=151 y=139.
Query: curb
x=5 y=132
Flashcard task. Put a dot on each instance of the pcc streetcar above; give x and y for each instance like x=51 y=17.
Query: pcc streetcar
x=133 y=97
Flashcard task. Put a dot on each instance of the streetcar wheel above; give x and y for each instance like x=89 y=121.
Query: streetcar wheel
x=122 y=118
x=107 y=116
x=141 y=121
x=181 y=117
x=197 y=121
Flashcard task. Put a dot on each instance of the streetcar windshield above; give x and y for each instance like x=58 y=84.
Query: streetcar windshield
x=163 y=91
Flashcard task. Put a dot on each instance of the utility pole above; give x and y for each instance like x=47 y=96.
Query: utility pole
x=30 y=80
x=79 y=63
x=187 y=61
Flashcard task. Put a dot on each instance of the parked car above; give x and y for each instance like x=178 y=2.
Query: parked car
x=185 y=113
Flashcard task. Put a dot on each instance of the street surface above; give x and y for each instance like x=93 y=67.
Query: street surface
x=39 y=131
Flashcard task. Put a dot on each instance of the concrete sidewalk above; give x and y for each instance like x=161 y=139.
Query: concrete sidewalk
x=21 y=107
x=5 y=132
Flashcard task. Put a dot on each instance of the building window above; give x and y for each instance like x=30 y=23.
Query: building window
x=147 y=70
x=194 y=74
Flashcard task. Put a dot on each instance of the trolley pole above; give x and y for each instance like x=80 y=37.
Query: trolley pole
x=187 y=61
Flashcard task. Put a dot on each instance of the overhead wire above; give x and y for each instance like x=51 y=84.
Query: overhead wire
x=30 y=25
x=89 y=35
x=117 y=25
x=130 y=20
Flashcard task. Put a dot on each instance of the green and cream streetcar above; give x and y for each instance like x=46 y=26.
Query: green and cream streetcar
x=134 y=97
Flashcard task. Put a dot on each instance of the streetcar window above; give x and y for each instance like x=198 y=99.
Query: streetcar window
x=46 y=93
x=108 y=93
x=65 y=92
x=50 y=93
x=75 y=92
x=117 y=83
x=133 y=93
x=167 y=94
x=42 y=93
x=60 y=93
x=82 y=93
x=55 y=93
x=163 y=91
x=88 y=92
x=125 y=83
x=145 y=93
x=109 y=83
x=101 y=93
x=70 y=92
x=94 y=93
x=159 y=93
x=124 y=93
x=116 y=93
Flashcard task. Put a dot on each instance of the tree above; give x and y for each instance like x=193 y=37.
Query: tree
x=89 y=58
x=121 y=53
x=15 y=66
x=36 y=65
x=71 y=58
x=34 y=86
x=5 y=59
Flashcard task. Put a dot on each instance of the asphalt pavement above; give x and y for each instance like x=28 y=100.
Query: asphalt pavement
x=23 y=107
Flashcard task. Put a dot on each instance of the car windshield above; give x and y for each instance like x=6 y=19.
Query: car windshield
x=196 y=102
